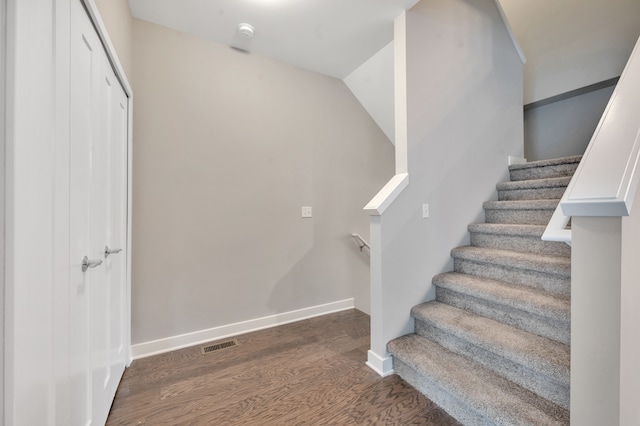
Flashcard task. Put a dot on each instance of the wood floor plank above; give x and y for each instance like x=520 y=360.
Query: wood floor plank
x=311 y=372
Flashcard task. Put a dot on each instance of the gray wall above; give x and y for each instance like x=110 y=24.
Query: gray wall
x=571 y=44
x=372 y=84
x=227 y=148
x=563 y=128
x=464 y=118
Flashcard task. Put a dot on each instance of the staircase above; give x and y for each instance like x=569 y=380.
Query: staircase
x=493 y=348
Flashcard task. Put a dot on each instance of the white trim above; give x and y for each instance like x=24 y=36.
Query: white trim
x=3 y=26
x=168 y=344
x=387 y=194
x=400 y=93
x=507 y=24
x=382 y=366
x=127 y=340
x=101 y=29
x=556 y=229
x=512 y=160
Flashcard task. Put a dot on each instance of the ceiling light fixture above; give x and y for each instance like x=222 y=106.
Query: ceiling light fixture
x=245 y=31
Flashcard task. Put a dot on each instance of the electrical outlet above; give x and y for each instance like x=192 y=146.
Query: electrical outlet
x=425 y=211
x=306 y=211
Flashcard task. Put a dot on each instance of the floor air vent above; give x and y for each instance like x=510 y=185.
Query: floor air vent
x=219 y=346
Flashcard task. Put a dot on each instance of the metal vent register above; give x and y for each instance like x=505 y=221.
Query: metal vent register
x=218 y=346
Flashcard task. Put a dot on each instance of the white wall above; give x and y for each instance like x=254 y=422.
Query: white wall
x=464 y=118
x=595 y=321
x=37 y=263
x=605 y=374
x=630 y=318
x=372 y=85
x=565 y=127
x=227 y=148
x=571 y=44
x=29 y=236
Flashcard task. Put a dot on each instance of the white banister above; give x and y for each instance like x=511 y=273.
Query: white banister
x=387 y=194
x=557 y=228
x=605 y=290
x=606 y=180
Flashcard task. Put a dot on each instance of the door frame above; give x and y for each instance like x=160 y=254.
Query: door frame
x=3 y=26
x=36 y=225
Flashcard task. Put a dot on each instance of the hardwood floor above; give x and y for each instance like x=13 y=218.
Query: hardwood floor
x=310 y=372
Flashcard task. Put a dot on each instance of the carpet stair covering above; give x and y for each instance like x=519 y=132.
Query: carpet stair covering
x=494 y=347
x=536 y=189
x=514 y=237
x=524 y=212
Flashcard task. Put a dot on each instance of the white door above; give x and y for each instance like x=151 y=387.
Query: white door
x=98 y=137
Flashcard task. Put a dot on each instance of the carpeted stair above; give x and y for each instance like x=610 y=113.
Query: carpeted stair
x=493 y=348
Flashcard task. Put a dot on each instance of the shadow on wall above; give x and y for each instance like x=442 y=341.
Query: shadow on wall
x=563 y=128
x=306 y=282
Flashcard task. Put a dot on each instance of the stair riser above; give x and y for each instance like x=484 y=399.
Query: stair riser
x=532 y=194
x=521 y=244
x=559 y=170
x=423 y=383
x=517 y=216
x=554 y=284
x=560 y=331
x=535 y=381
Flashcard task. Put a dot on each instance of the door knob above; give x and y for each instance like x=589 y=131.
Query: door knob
x=90 y=263
x=108 y=251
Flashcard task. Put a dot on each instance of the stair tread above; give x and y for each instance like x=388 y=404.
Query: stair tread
x=521 y=205
x=538 y=353
x=558 y=265
x=523 y=298
x=546 y=163
x=507 y=229
x=495 y=397
x=534 y=183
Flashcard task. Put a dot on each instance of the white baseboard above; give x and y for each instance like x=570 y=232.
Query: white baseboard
x=168 y=344
x=516 y=160
x=382 y=366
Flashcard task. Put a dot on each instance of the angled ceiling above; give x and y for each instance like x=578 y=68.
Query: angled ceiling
x=331 y=37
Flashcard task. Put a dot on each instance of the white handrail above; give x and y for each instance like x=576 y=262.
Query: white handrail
x=361 y=242
x=606 y=179
x=387 y=194
x=557 y=227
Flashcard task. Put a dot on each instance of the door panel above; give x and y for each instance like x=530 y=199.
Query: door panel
x=82 y=99
x=98 y=326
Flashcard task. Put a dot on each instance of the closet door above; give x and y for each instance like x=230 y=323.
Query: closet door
x=98 y=137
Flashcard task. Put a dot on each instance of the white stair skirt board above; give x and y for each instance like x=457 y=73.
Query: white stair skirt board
x=382 y=366
x=155 y=347
x=516 y=160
